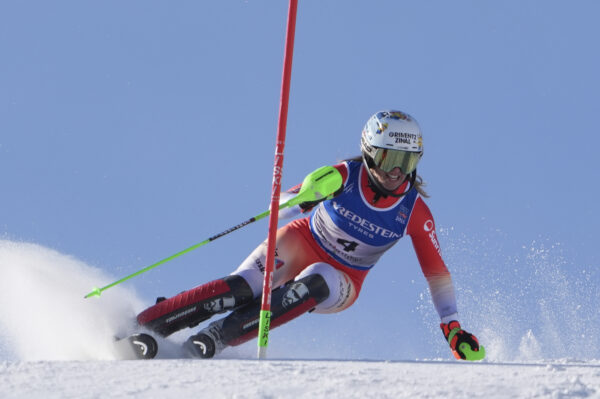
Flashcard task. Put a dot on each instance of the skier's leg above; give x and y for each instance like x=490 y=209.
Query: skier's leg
x=319 y=285
x=196 y=305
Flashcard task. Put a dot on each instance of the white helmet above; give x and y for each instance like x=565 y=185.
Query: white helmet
x=392 y=139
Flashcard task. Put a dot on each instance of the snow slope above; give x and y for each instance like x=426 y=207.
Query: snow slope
x=295 y=379
x=54 y=344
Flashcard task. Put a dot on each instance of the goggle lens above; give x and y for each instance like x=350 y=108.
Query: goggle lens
x=387 y=160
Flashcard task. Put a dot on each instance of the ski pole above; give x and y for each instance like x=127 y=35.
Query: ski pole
x=97 y=291
x=316 y=186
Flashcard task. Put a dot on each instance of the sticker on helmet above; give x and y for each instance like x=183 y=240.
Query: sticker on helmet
x=397 y=115
x=381 y=128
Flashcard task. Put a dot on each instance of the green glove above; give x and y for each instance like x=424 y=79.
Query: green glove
x=463 y=344
x=318 y=186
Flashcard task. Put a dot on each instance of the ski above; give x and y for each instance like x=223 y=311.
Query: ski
x=136 y=346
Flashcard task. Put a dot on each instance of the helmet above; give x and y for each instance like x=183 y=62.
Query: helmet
x=392 y=139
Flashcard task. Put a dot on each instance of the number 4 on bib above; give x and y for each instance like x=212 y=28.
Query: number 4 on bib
x=349 y=246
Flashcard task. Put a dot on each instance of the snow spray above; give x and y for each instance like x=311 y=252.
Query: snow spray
x=525 y=301
x=42 y=314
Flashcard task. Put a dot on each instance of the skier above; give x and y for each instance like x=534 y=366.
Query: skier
x=321 y=261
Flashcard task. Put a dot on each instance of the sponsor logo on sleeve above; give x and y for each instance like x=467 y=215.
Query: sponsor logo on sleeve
x=429 y=227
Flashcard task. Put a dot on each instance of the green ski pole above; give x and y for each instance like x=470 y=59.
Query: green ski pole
x=316 y=186
x=97 y=291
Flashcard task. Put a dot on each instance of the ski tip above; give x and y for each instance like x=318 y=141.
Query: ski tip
x=95 y=292
x=137 y=346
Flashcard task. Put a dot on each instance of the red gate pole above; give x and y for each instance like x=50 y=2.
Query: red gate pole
x=265 y=310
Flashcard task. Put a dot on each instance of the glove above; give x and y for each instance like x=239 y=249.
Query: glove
x=319 y=185
x=463 y=344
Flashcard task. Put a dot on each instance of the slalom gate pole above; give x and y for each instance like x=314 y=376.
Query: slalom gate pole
x=265 y=309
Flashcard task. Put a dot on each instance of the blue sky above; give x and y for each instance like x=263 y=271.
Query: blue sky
x=131 y=130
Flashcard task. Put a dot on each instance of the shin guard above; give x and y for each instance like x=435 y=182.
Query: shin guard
x=196 y=305
x=287 y=303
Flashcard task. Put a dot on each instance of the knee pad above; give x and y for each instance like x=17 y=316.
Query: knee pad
x=287 y=303
x=342 y=292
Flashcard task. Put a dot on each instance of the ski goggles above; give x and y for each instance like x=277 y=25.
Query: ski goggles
x=387 y=160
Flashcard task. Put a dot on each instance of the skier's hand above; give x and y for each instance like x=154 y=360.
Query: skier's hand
x=318 y=186
x=463 y=344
